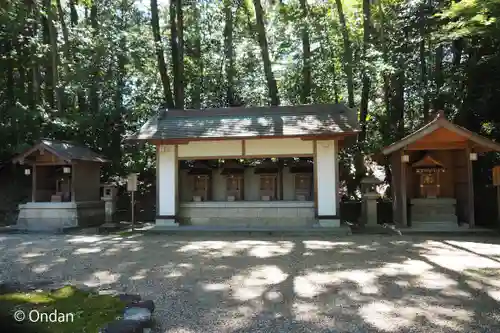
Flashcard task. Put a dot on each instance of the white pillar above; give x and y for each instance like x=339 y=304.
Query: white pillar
x=167 y=168
x=326 y=164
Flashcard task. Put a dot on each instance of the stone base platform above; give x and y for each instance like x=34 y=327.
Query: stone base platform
x=225 y=230
x=248 y=214
x=45 y=216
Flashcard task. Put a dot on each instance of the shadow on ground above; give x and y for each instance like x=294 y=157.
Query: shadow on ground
x=351 y=284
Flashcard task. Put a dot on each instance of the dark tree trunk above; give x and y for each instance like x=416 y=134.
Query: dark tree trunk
x=306 y=56
x=11 y=96
x=264 y=50
x=162 y=66
x=347 y=55
x=439 y=102
x=229 y=52
x=48 y=71
x=94 y=89
x=365 y=92
x=179 y=92
x=198 y=60
x=174 y=46
x=64 y=28
x=73 y=12
x=424 y=86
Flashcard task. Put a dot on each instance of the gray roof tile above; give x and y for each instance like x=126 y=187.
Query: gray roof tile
x=250 y=122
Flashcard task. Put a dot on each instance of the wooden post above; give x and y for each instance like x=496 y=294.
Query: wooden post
x=132 y=203
x=496 y=183
x=33 y=184
x=72 y=182
x=470 y=188
x=404 y=203
x=498 y=202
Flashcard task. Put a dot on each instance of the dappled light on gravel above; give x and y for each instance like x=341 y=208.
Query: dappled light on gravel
x=235 y=285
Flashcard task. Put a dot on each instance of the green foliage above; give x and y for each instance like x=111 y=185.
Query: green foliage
x=85 y=312
x=95 y=86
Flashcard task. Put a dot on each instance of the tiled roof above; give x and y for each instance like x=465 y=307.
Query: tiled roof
x=71 y=151
x=250 y=122
x=65 y=150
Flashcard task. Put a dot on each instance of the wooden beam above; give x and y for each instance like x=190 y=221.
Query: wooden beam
x=404 y=203
x=33 y=184
x=188 y=158
x=312 y=137
x=437 y=145
x=337 y=175
x=157 y=180
x=177 y=170
x=470 y=188
x=315 y=176
x=72 y=184
x=243 y=148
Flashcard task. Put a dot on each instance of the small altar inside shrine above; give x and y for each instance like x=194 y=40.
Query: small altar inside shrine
x=429 y=204
x=65 y=186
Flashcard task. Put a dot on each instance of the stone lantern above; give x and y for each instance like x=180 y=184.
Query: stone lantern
x=370 y=196
x=109 y=198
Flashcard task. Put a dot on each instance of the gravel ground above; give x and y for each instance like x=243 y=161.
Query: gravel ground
x=231 y=284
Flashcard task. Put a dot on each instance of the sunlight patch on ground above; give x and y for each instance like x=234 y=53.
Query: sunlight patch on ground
x=102 y=278
x=391 y=317
x=41 y=268
x=409 y=267
x=460 y=261
x=324 y=245
x=313 y=284
x=386 y=316
x=140 y=274
x=32 y=255
x=305 y=311
x=433 y=280
x=365 y=279
x=86 y=250
x=179 y=270
x=218 y=249
x=480 y=248
x=253 y=284
x=215 y=286
x=84 y=239
x=271 y=250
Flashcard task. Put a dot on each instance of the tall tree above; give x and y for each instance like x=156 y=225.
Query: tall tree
x=306 y=55
x=162 y=66
x=423 y=64
x=264 y=50
x=229 y=51
x=177 y=48
x=197 y=58
x=96 y=72
x=348 y=61
x=365 y=93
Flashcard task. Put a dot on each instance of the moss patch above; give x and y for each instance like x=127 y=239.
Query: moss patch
x=74 y=310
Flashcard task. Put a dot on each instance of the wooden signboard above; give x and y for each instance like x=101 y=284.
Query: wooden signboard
x=496 y=176
x=132 y=182
x=132 y=187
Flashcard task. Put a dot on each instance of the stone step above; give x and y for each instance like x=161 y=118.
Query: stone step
x=433 y=210
x=437 y=227
x=434 y=217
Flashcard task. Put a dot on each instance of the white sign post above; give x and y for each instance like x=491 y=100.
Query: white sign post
x=132 y=188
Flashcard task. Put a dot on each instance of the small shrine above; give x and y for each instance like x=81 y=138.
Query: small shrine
x=66 y=186
x=432 y=175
